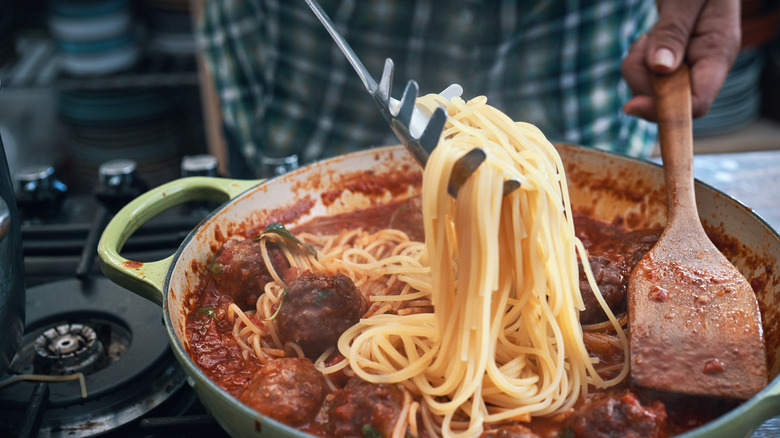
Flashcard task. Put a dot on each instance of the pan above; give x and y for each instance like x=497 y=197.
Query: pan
x=605 y=185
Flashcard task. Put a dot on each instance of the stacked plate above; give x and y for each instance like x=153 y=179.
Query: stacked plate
x=739 y=101
x=94 y=37
x=170 y=27
x=143 y=125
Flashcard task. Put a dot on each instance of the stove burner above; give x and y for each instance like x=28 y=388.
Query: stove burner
x=67 y=340
x=69 y=349
x=115 y=338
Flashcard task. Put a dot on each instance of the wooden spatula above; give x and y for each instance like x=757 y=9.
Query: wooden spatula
x=694 y=322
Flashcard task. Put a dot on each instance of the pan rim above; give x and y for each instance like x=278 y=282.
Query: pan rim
x=733 y=415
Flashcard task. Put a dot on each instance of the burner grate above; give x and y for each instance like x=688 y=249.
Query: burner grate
x=69 y=348
x=115 y=338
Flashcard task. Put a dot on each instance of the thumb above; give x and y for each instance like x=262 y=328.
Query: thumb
x=668 y=39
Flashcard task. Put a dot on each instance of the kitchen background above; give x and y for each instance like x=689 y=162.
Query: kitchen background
x=87 y=82
x=100 y=99
x=83 y=85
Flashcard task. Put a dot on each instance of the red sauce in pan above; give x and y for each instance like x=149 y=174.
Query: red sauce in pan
x=619 y=411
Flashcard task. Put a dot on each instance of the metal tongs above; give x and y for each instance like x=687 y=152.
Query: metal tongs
x=401 y=120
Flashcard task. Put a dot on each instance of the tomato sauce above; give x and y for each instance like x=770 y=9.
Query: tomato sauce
x=623 y=410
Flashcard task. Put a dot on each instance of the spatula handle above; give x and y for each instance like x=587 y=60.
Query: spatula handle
x=675 y=129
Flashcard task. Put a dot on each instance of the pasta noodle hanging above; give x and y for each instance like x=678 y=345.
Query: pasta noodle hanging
x=479 y=323
x=504 y=340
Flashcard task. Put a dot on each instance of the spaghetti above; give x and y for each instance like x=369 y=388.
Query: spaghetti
x=504 y=340
x=386 y=266
x=480 y=322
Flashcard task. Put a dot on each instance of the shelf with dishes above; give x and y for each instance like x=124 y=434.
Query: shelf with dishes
x=39 y=64
x=104 y=44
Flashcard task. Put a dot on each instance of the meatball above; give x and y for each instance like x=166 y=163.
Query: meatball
x=611 y=274
x=290 y=390
x=317 y=309
x=408 y=218
x=240 y=272
x=619 y=416
x=638 y=243
x=362 y=405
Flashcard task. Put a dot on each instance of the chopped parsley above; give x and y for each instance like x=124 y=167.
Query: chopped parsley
x=280 y=230
x=215 y=267
x=321 y=295
x=568 y=433
x=209 y=312
x=370 y=431
x=281 y=301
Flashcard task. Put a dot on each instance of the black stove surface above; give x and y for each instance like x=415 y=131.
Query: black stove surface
x=95 y=358
x=78 y=321
x=63 y=243
x=132 y=384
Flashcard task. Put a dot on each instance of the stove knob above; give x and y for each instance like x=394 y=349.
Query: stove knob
x=117 y=175
x=118 y=183
x=275 y=166
x=199 y=165
x=38 y=191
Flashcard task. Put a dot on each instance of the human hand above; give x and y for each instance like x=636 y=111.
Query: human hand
x=705 y=33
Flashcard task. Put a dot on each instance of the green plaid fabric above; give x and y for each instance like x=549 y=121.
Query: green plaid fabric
x=286 y=89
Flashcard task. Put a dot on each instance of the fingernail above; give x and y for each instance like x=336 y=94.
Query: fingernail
x=663 y=57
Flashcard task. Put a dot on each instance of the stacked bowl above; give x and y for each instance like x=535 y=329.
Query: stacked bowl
x=94 y=37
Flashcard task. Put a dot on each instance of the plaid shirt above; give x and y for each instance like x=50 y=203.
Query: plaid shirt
x=285 y=88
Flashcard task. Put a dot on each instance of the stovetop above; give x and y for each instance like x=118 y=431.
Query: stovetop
x=94 y=358
x=132 y=385
x=138 y=389
x=65 y=245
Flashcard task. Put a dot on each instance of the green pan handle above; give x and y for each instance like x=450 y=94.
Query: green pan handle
x=148 y=279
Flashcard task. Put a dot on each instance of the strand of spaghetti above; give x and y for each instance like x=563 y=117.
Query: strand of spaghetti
x=406 y=297
x=388 y=265
x=470 y=372
x=455 y=338
x=486 y=314
x=420 y=283
x=429 y=422
x=260 y=353
x=611 y=316
x=412 y=419
x=439 y=242
x=499 y=273
x=399 y=430
x=601 y=326
x=276 y=341
x=240 y=331
x=233 y=308
x=502 y=375
x=383 y=327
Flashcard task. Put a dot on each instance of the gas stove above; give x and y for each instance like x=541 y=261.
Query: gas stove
x=94 y=358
